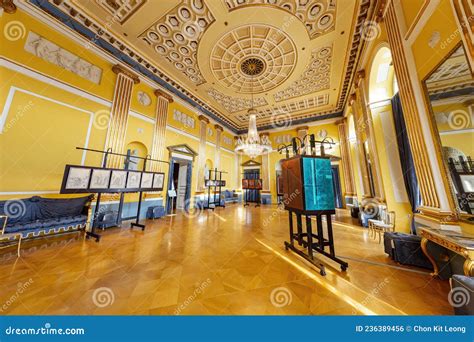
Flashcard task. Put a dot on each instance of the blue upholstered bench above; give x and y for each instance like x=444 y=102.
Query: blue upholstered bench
x=37 y=216
x=155 y=212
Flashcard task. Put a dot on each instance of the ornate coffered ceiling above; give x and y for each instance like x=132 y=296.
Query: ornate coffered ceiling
x=215 y=53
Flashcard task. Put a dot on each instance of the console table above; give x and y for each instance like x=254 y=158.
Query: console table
x=462 y=244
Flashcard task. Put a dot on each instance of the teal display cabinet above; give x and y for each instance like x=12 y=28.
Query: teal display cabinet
x=308 y=184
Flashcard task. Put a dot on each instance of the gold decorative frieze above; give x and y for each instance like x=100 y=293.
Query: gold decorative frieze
x=253 y=58
x=52 y=53
x=120 y=10
x=235 y=104
x=317 y=16
x=176 y=36
x=316 y=76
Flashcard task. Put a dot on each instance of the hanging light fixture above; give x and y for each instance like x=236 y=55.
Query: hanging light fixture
x=252 y=145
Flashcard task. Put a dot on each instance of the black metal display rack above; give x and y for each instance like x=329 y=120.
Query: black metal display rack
x=312 y=241
x=215 y=183
x=95 y=216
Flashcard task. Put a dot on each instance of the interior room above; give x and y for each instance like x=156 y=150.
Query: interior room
x=236 y=157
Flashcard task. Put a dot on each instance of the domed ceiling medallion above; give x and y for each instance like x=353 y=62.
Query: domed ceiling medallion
x=252 y=66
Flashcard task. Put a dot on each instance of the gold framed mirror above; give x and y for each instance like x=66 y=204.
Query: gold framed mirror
x=449 y=90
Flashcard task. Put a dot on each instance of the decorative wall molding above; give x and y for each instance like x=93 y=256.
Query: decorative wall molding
x=121 y=10
x=52 y=53
x=185 y=119
x=8 y=6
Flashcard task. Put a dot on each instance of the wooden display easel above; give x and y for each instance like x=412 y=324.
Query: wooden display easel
x=247 y=192
x=313 y=242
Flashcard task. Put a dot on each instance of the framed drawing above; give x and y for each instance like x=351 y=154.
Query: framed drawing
x=158 y=181
x=118 y=179
x=133 y=180
x=251 y=183
x=245 y=183
x=77 y=178
x=100 y=179
x=147 y=180
x=258 y=184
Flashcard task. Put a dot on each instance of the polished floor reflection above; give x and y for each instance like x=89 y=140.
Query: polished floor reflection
x=231 y=261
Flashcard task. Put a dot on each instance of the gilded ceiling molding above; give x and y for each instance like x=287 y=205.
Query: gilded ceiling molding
x=70 y=9
x=118 y=69
x=8 y=6
x=317 y=16
x=166 y=96
x=121 y=10
x=316 y=76
x=235 y=104
x=218 y=128
x=176 y=36
x=253 y=58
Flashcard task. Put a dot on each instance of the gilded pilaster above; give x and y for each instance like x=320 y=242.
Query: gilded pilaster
x=159 y=134
x=203 y=122
x=217 y=161
x=119 y=114
x=346 y=158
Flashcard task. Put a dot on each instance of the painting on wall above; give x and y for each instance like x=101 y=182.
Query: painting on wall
x=100 y=179
x=78 y=178
x=118 y=179
x=50 y=52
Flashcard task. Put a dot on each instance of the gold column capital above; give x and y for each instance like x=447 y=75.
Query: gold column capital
x=380 y=8
x=352 y=98
x=218 y=127
x=302 y=128
x=343 y=121
x=8 y=6
x=203 y=119
x=118 y=69
x=166 y=96
x=360 y=75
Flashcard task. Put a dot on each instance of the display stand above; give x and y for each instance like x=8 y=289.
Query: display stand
x=312 y=241
x=256 y=190
x=217 y=183
x=137 y=224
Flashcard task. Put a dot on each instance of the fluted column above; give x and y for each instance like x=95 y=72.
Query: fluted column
x=370 y=134
x=358 y=124
x=119 y=114
x=203 y=121
x=238 y=162
x=217 y=161
x=346 y=161
x=159 y=133
x=432 y=179
x=265 y=168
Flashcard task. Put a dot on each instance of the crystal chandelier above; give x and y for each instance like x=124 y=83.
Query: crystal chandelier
x=253 y=145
